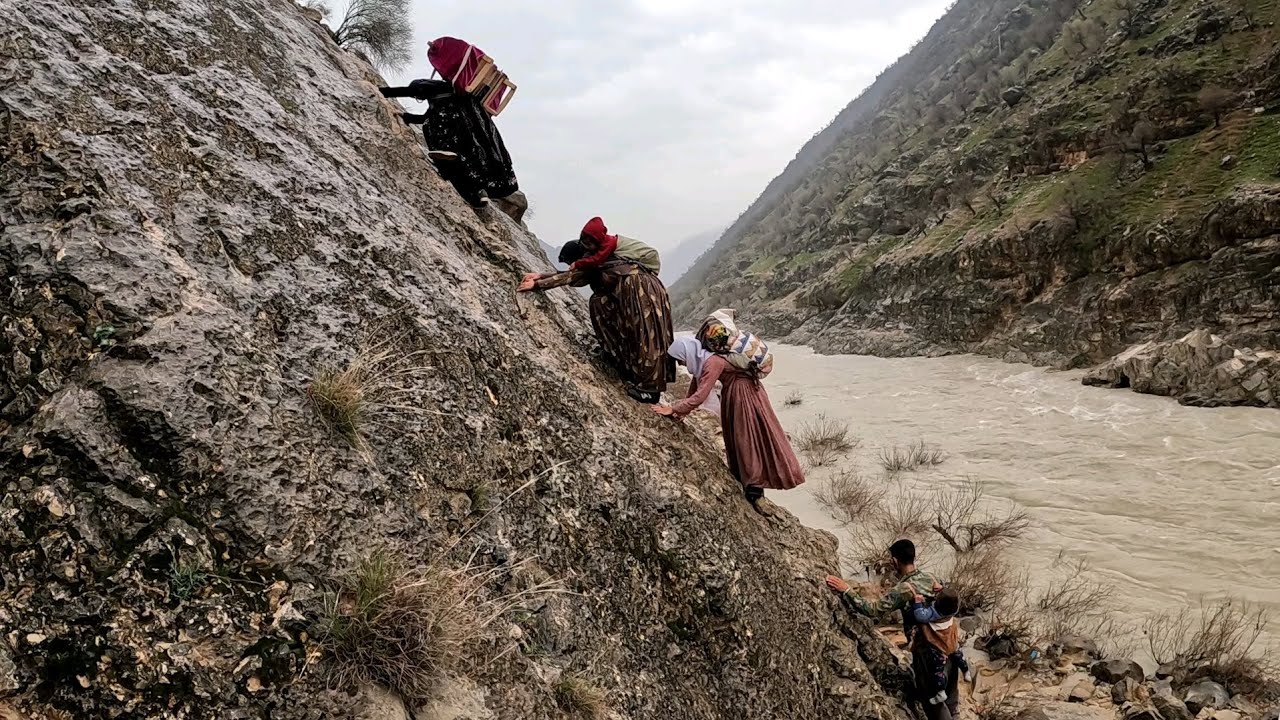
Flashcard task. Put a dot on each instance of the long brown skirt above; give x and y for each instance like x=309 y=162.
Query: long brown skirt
x=632 y=322
x=755 y=444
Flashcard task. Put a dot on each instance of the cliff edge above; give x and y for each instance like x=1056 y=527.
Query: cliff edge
x=204 y=207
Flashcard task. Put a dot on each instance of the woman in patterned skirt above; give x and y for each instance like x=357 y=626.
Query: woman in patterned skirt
x=631 y=316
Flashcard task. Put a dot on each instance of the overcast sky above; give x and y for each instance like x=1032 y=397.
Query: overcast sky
x=667 y=117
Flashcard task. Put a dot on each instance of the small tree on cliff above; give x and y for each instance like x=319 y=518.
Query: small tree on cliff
x=1214 y=100
x=378 y=28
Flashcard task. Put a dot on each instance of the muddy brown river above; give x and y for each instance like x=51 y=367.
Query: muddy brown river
x=1172 y=505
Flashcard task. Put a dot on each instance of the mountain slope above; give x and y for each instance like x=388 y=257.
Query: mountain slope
x=1039 y=181
x=205 y=210
x=677 y=261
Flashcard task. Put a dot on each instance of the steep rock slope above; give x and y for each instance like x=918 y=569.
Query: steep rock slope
x=204 y=204
x=1049 y=181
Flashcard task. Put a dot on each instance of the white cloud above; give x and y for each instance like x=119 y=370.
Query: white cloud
x=668 y=117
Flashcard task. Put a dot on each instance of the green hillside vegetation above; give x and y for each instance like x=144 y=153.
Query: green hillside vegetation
x=1092 y=123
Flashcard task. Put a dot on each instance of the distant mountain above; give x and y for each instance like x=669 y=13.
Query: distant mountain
x=552 y=254
x=677 y=261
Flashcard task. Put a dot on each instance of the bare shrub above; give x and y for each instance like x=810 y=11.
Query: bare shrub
x=378 y=28
x=1218 y=643
x=402 y=627
x=578 y=695
x=1072 y=602
x=984 y=579
x=916 y=455
x=795 y=399
x=850 y=497
x=907 y=516
x=998 y=706
x=824 y=439
x=965 y=521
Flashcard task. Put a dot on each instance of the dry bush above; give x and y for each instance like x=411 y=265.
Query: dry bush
x=963 y=519
x=824 y=439
x=907 y=516
x=403 y=627
x=1218 y=643
x=794 y=399
x=1073 y=602
x=380 y=29
x=984 y=579
x=1001 y=706
x=850 y=497
x=576 y=694
x=916 y=455
x=377 y=390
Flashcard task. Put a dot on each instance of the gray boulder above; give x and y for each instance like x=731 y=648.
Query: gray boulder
x=1170 y=707
x=1139 y=711
x=1206 y=694
x=1114 y=670
x=1123 y=691
x=8 y=672
x=1013 y=95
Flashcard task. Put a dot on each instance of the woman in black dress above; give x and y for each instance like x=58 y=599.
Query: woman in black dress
x=464 y=142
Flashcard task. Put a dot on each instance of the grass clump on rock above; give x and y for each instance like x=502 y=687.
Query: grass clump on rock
x=378 y=389
x=575 y=694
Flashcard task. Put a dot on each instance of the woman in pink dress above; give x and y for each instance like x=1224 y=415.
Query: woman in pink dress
x=755 y=444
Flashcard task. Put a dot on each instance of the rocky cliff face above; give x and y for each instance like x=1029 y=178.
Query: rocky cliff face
x=1051 y=182
x=202 y=207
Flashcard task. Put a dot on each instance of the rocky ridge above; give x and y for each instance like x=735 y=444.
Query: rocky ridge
x=202 y=207
x=1053 y=182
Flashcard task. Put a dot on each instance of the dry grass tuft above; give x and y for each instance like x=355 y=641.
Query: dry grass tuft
x=824 y=439
x=380 y=389
x=916 y=455
x=850 y=497
x=795 y=399
x=403 y=627
x=1218 y=643
x=576 y=694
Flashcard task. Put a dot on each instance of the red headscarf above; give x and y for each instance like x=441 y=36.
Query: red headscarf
x=605 y=244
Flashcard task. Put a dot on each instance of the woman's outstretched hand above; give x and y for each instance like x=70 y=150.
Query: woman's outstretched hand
x=837 y=584
x=663 y=410
x=528 y=283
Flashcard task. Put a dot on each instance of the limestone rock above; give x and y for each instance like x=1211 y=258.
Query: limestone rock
x=1114 y=670
x=1066 y=711
x=8 y=672
x=1206 y=694
x=1076 y=687
x=1170 y=707
x=1199 y=369
x=1013 y=95
x=1139 y=711
x=1123 y=691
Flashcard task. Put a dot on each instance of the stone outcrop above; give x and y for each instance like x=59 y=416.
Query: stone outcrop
x=204 y=205
x=1198 y=369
